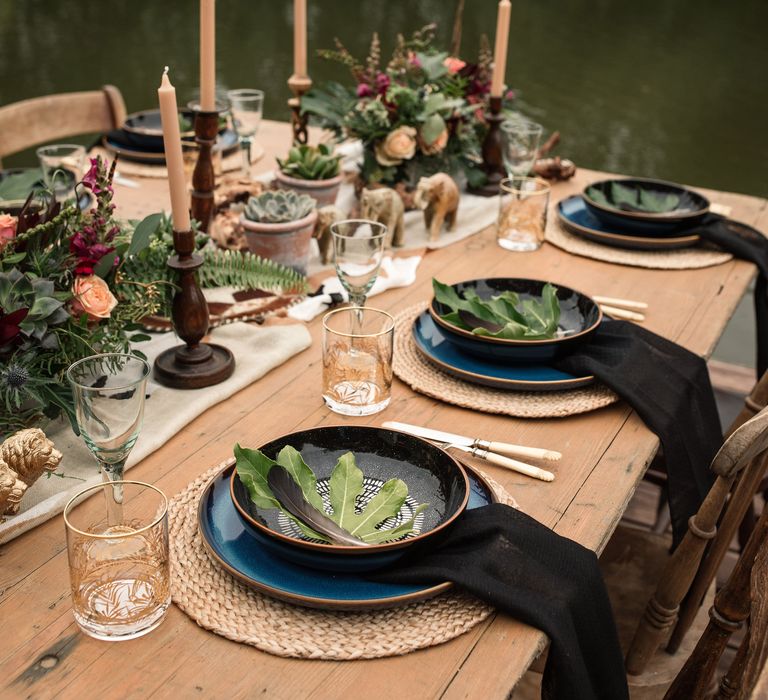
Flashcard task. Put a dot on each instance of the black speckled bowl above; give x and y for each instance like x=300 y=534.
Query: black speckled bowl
x=431 y=474
x=691 y=207
x=579 y=317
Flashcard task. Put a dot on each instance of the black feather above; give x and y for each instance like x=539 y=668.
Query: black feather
x=291 y=498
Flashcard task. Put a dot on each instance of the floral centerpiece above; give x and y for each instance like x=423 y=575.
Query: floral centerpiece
x=421 y=113
x=74 y=283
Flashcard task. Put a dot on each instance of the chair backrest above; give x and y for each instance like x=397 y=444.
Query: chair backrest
x=43 y=119
x=743 y=596
x=740 y=503
x=744 y=446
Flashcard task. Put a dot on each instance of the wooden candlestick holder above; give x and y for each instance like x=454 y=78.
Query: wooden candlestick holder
x=493 y=160
x=299 y=84
x=195 y=364
x=203 y=178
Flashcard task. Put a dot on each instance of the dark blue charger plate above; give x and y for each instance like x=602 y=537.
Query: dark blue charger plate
x=576 y=218
x=127 y=146
x=431 y=342
x=236 y=550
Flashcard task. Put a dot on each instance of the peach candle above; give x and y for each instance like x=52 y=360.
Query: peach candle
x=169 y=115
x=500 y=49
x=300 y=37
x=208 y=55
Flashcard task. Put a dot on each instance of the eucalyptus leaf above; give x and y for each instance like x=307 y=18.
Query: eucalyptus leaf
x=17 y=186
x=143 y=233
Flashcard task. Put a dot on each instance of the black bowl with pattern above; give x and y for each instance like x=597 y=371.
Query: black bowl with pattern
x=431 y=474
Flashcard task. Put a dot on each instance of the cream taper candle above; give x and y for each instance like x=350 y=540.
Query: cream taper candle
x=208 y=55
x=300 y=37
x=177 y=184
x=500 y=49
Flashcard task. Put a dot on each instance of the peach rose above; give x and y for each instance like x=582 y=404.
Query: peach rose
x=93 y=297
x=399 y=145
x=7 y=229
x=453 y=64
x=431 y=149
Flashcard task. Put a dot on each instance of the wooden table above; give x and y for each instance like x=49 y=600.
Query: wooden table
x=42 y=653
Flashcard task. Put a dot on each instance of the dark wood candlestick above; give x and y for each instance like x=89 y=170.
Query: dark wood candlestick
x=299 y=84
x=195 y=364
x=203 y=178
x=493 y=160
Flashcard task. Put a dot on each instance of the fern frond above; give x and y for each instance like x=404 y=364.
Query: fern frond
x=226 y=268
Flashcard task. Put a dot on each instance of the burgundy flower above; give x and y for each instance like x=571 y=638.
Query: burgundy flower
x=382 y=83
x=364 y=90
x=91 y=178
x=9 y=325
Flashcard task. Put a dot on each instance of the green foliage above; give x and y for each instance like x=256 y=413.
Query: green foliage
x=636 y=198
x=345 y=485
x=311 y=162
x=503 y=315
x=279 y=206
x=226 y=268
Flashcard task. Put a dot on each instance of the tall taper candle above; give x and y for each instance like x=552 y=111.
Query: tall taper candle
x=300 y=37
x=169 y=115
x=208 y=55
x=500 y=49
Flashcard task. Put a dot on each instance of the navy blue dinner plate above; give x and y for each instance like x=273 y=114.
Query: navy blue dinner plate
x=576 y=218
x=432 y=343
x=231 y=545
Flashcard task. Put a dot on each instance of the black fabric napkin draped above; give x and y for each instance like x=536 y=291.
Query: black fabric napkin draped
x=542 y=579
x=745 y=243
x=669 y=388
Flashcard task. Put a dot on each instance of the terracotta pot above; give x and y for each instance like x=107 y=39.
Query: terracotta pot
x=322 y=191
x=287 y=243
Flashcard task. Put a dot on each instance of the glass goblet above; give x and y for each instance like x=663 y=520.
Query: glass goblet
x=358 y=248
x=520 y=143
x=246 y=106
x=62 y=166
x=109 y=392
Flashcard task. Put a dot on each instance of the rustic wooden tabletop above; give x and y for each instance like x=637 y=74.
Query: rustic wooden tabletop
x=42 y=653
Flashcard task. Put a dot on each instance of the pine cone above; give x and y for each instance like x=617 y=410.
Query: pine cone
x=29 y=453
x=11 y=490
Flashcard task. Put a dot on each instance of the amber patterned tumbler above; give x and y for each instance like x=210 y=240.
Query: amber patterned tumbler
x=523 y=209
x=357 y=360
x=120 y=573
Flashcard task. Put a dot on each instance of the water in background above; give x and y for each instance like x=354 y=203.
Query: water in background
x=674 y=89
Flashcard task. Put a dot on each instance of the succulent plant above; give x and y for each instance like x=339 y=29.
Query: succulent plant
x=279 y=206
x=311 y=163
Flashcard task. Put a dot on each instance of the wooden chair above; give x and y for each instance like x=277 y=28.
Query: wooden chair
x=744 y=596
x=646 y=584
x=43 y=119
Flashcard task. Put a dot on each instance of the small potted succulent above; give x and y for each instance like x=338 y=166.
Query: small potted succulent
x=312 y=170
x=278 y=225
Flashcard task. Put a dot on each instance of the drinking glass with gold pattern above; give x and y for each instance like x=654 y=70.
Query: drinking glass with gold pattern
x=357 y=360
x=119 y=571
x=522 y=213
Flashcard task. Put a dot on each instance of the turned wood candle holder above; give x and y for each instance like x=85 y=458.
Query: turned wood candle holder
x=195 y=364
x=299 y=84
x=493 y=159
x=203 y=178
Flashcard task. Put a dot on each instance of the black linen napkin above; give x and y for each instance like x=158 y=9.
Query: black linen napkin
x=540 y=578
x=745 y=243
x=669 y=388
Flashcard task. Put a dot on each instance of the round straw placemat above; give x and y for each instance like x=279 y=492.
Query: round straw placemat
x=218 y=602
x=679 y=259
x=422 y=376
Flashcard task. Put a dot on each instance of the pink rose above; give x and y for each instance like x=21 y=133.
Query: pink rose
x=399 y=145
x=7 y=229
x=453 y=64
x=92 y=296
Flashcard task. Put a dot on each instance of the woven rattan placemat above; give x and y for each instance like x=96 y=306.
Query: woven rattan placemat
x=422 y=376
x=220 y=603
x=681 y=259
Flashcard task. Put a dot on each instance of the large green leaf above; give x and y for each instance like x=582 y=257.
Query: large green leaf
x=252 y=467
x=345 y=486
x=15 y=186
x=290 y=458
x=143 y=233
x=531 y=318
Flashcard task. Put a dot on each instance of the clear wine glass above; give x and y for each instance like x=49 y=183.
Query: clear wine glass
x=246 y=106
x=109 y=392
x=520 y=144
x=358 y=248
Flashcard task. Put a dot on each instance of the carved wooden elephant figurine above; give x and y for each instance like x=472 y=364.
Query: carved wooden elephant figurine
x=438 y=196
x=326 y=216
x=385 y=206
